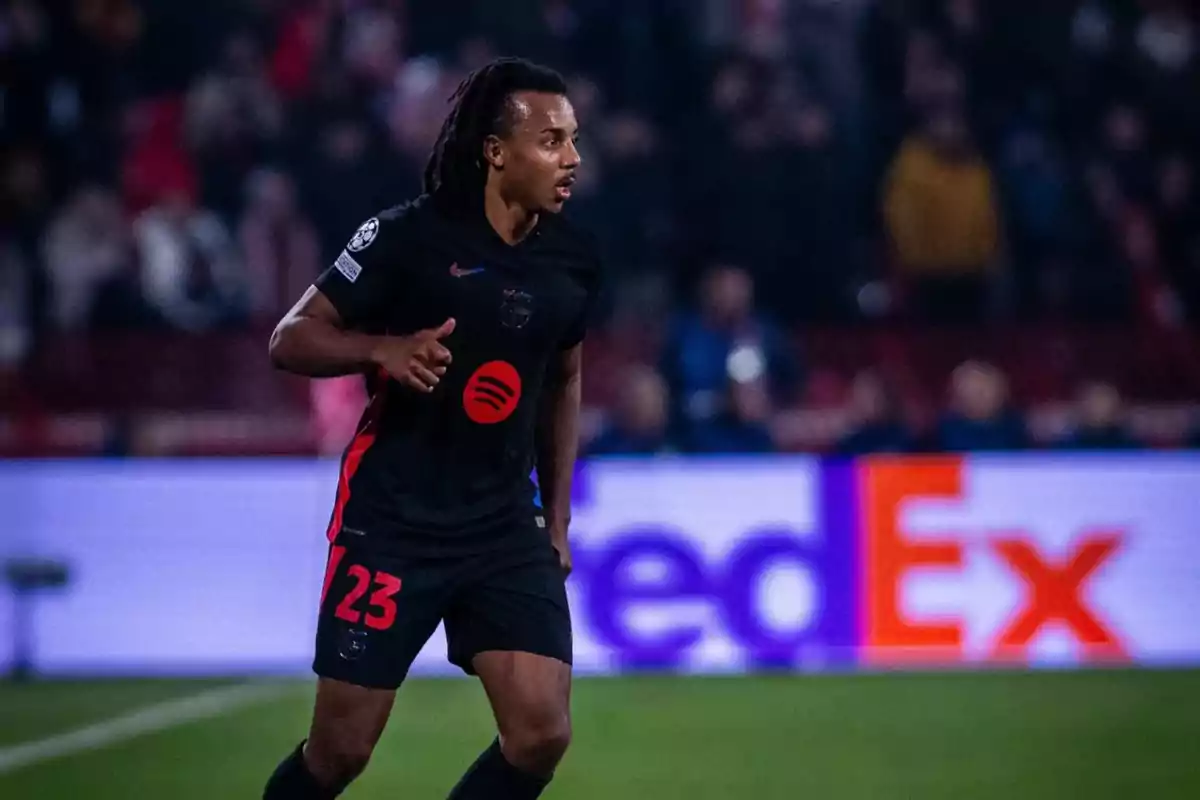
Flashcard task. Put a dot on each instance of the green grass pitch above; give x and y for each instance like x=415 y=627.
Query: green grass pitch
x=965 y=736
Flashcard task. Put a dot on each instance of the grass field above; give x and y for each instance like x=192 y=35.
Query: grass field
x=1032 y=736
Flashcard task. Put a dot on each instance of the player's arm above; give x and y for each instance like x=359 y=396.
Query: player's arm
x=323 y=335
x=312 y=340
x=558 y=444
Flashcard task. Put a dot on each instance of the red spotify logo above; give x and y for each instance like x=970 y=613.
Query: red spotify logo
x=492 y=393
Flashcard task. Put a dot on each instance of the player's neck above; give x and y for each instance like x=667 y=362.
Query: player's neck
x=512 y=221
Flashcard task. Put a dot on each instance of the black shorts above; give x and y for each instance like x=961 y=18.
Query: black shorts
x=378 y=610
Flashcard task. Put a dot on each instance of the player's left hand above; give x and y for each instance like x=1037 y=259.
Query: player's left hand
x=563 y=547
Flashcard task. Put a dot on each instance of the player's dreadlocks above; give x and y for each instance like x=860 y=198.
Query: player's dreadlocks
x=456 y=171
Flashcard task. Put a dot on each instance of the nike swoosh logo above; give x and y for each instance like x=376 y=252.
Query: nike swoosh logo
x=459 y=272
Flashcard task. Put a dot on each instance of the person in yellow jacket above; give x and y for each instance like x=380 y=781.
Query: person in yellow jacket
x=943 y=222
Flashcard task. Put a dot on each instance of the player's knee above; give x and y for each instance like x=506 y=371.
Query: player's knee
x=338 y=761
x=538 y=744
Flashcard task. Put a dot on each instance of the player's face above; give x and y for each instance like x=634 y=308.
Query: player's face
x=538 y=158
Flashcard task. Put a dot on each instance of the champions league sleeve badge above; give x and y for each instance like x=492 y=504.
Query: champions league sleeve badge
x=365 y=234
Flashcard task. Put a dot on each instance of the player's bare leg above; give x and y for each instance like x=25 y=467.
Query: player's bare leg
x=347 y=723
x=531 y=698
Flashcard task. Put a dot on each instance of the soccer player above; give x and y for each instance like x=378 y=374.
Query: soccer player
x=466 y=309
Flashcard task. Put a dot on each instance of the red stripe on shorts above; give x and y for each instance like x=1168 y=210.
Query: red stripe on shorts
x=358 y=448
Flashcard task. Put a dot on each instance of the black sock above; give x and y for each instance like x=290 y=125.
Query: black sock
x=491 y=777
x=292 y=781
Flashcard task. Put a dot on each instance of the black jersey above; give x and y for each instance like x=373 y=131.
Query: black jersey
x=450 y=470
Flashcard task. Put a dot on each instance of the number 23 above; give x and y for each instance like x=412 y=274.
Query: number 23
x=382 y=607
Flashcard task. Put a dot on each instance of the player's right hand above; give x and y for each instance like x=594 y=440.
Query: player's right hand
x=419 y=360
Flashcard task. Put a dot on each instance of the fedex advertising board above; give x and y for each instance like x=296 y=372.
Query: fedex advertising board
x=714 y=565
x=1032 y=560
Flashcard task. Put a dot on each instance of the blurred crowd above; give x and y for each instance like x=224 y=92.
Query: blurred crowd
x=753 y=167
x=726 y=372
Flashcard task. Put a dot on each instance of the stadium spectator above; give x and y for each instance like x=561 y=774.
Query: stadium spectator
x=280 y=245
x=742 y=425
x=88 y=251
x=1100 y=423
x=724 y=338
x=943 y=222
x=876 y=424
x=192 y=275
x=979 y=417
x=639 y=424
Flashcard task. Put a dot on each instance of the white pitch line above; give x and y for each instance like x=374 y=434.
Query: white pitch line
x=150 y=719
